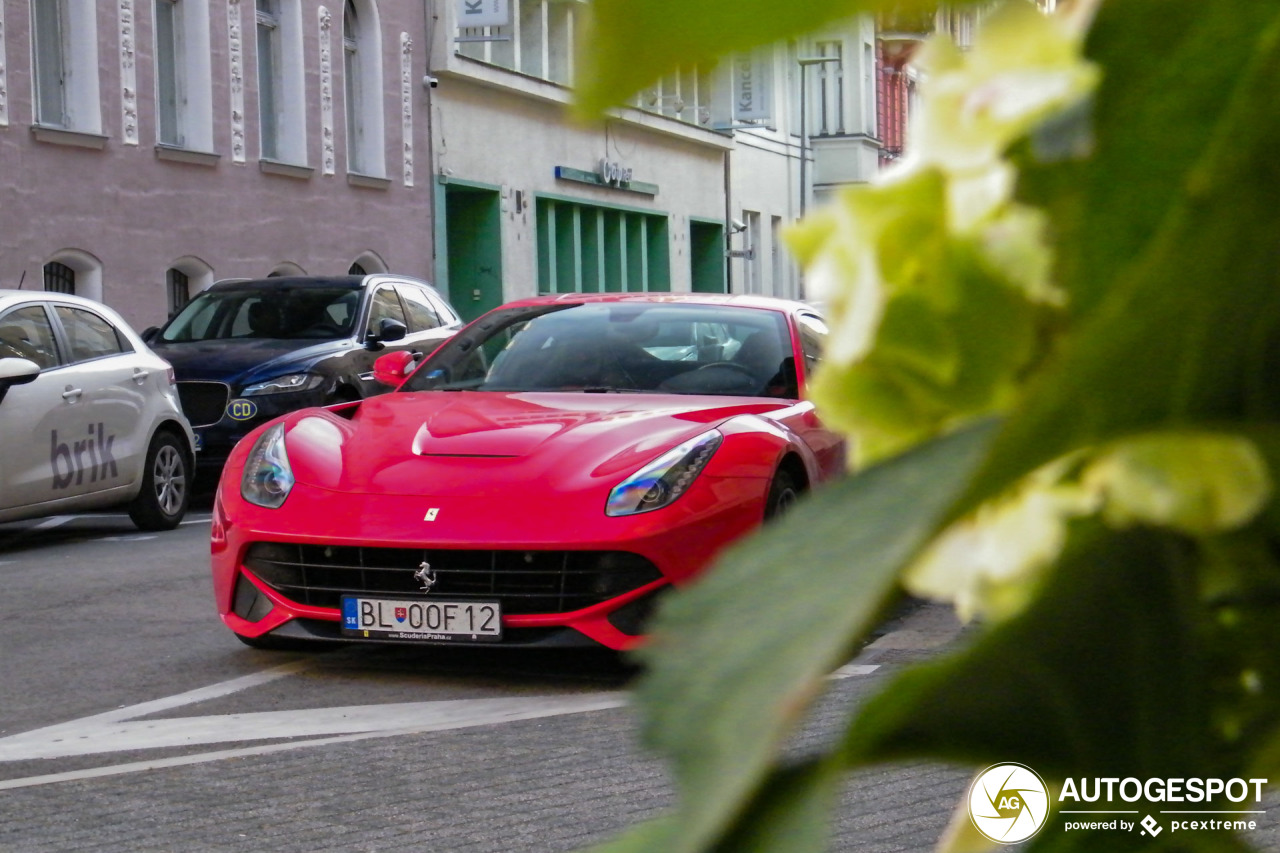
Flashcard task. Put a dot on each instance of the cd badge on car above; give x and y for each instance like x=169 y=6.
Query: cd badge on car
x=425 y=576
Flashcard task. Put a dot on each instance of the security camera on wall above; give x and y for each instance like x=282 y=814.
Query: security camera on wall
x=737 y=226
x=430 y=82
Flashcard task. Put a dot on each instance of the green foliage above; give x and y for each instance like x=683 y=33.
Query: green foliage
x=1147 y=651
x=629 y=45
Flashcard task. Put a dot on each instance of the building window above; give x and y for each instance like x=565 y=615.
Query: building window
x=59 y=278
x=588 y=249
x=281 y=83
x=362 y=69
x=184 y=99
x=684 y=95
x=829 y=96
x=171 y=96
x=269 y=76
x=64 y=37
x=179 y=287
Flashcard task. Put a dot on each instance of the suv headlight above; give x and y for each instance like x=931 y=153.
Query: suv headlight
x=284 y=384
x=267 y=478
x=662 y=481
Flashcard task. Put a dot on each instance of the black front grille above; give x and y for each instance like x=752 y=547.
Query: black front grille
x=203 y=402
x=523 y=581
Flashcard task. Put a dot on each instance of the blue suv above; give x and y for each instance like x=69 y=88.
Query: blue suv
x=245 y=351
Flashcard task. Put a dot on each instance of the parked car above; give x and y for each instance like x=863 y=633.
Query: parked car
x=246 y=351
x=539 y=480
x=89 y=415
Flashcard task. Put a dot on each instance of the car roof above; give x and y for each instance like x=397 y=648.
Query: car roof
x=291 y=281
x=11 y=296
x=743 y=300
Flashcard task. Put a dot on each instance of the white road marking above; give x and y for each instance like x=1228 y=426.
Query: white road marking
x=79 y=738
x=852 y=669
x=122 y=729
x=55 y=521
x=199 y=519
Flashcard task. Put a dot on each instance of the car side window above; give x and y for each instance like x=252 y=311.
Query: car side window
x=422 y=313
x=384 y=305
x=88 y=335
x=26 y=333
x=813 y=336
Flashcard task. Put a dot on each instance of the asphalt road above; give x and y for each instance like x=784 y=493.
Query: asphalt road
x=131 y=720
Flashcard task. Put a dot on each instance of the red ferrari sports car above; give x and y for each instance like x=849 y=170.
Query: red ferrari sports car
x=538 y=480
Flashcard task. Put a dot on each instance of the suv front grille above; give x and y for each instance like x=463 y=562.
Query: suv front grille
x=203 y=402
x=523 y=581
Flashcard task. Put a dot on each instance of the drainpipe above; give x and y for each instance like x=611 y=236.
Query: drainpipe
x=728 y=217
x=429 y=31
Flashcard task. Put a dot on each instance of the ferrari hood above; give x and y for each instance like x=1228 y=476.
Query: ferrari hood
x=408 y=443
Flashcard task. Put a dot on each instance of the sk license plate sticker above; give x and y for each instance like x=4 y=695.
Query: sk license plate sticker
x=431 y=621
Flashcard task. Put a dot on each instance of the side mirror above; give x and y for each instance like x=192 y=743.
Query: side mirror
x=388 y=331
x=149 y=334
x=16 y=371
x=392 y=368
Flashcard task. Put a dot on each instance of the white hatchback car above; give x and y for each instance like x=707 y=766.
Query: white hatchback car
x=89 y=415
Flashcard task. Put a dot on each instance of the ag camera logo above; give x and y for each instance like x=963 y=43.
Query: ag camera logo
x=1008 y=803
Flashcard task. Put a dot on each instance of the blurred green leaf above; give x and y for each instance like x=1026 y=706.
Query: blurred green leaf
x=738 y=656
x=790 y=813
x=629 y=45
x=1170 y=233
x=1104 y=670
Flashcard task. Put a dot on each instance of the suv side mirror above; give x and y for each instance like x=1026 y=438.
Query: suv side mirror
x=149 y=334
x=388 y=331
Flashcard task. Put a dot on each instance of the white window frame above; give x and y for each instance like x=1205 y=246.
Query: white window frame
x=69 y=57
x=362 y=90
x=88 y=270
x=282 y=113
x=191 y=75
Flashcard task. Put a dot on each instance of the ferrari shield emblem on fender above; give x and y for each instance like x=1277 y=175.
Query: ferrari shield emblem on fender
x=425 y=576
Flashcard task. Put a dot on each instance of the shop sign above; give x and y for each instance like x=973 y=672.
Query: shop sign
x=484 y=13
x=752 y=87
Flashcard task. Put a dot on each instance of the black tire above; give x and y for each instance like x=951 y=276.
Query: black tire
x=166 y=485
x=783 y=493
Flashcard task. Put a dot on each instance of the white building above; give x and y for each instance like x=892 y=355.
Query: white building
x=153 y=146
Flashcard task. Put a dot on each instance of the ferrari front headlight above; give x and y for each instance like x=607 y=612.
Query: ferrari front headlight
x=662 y=481
x=267 y=478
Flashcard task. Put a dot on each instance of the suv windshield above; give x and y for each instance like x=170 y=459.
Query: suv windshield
x=281 y=313
x=663 y=347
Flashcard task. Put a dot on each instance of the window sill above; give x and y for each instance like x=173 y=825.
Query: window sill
x=187 y=155
x=64 y=136
x=288 y=170
x=368 y=181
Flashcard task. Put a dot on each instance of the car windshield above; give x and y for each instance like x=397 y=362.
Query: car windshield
x=618 y=347
x=280 y=313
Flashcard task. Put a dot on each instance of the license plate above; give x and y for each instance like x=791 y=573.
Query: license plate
x=199 y=443
x=431 y=621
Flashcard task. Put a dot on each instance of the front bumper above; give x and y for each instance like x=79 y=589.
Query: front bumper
x=281 y=572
